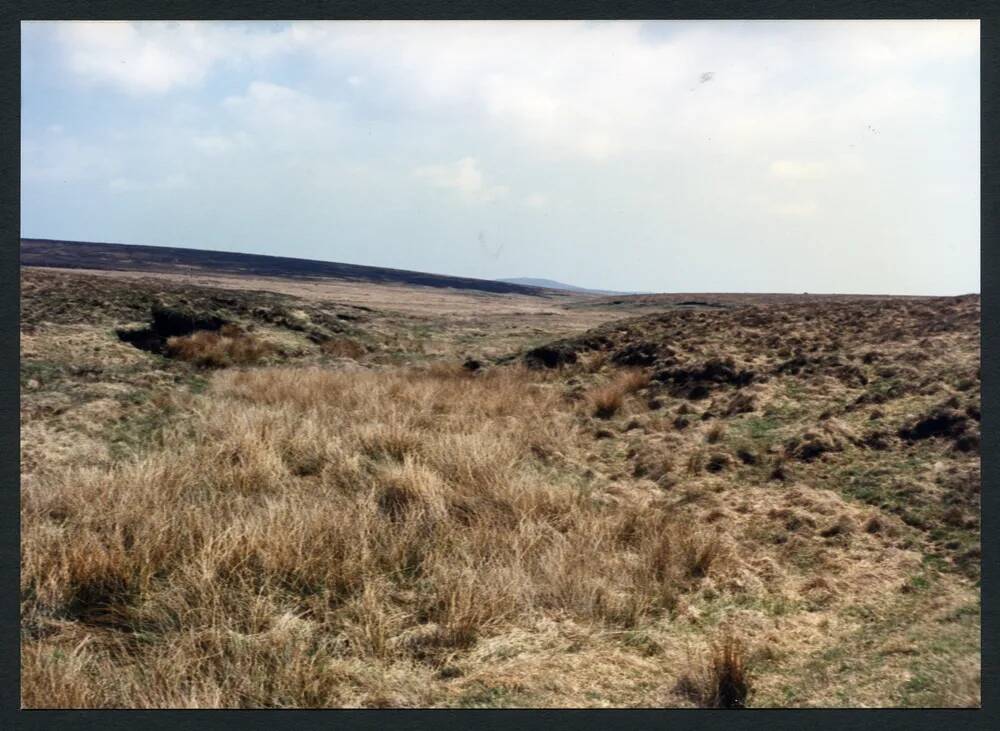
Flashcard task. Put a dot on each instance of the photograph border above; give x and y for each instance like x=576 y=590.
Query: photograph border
x=10 y=56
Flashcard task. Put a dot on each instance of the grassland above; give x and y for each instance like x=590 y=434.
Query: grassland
x=380 y=496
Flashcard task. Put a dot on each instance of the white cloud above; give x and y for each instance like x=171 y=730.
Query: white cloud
x=585 y=89
x=564 y=86
x=463 y=176
x=157 y=57
x=796 y=170
x=796 y=209
x=887 y=45
x=599 y=91
x=216 y=145
x=282 y=116
x=830 y=131
x=134 y=59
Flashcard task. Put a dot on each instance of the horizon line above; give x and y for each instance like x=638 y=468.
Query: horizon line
x=23 y=238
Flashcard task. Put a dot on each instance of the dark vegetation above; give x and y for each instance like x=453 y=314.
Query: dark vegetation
x=172 y=307
x=88 y=255
x=878 y=399
x=723 y=682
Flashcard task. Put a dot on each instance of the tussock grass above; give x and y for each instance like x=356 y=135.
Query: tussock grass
x=633 y=380
x=456 y=536
x=715 y=434
x=303 y=521
x=723 y=681
x=209 y=349
x=605 y=401
x=696 y=462
x=342 y=348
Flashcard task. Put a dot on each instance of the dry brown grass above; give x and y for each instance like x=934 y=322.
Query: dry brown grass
x=303 y=520
x=342 y=348
x=715 y=434
x=696 y=462
x=606 y=400
x=632 y=380
x=436 y=536
x=723 y=682
x=229 y=346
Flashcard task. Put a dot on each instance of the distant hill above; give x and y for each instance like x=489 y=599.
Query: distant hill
x=552 y=284
x=166 y=259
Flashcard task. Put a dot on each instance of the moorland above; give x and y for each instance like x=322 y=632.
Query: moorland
x=258 y=488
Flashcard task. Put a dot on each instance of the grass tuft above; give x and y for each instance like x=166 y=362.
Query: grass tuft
x=209 y=349
x=723 y=681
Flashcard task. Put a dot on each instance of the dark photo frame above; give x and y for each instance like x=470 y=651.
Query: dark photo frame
x=11 y=386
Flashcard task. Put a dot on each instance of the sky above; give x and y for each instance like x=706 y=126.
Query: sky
x=709 y=156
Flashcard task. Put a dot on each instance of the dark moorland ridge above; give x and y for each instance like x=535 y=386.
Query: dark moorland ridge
x=127 y=257
x=553 y=284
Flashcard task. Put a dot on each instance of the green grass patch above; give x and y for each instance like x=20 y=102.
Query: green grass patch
x=759 y=427
x=895 y=486
x=142 y=426
x=888 y=388
x=42 y=372
x=642 y=642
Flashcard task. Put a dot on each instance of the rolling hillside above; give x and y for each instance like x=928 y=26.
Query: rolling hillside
x=125 y=257
x=561 y=286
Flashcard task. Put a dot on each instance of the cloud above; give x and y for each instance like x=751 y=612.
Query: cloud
x=133 y=58
x=590 y=90
x=564 y=88
x=463 y=176
x=796 y=170
x=298 y=127
x=282 y=116
x=216 y=145
x=892 y=44
x=598 y=91
x=142 y=58
x=795 y=209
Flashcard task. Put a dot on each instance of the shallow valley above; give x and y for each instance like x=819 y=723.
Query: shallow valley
x=253 y=491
